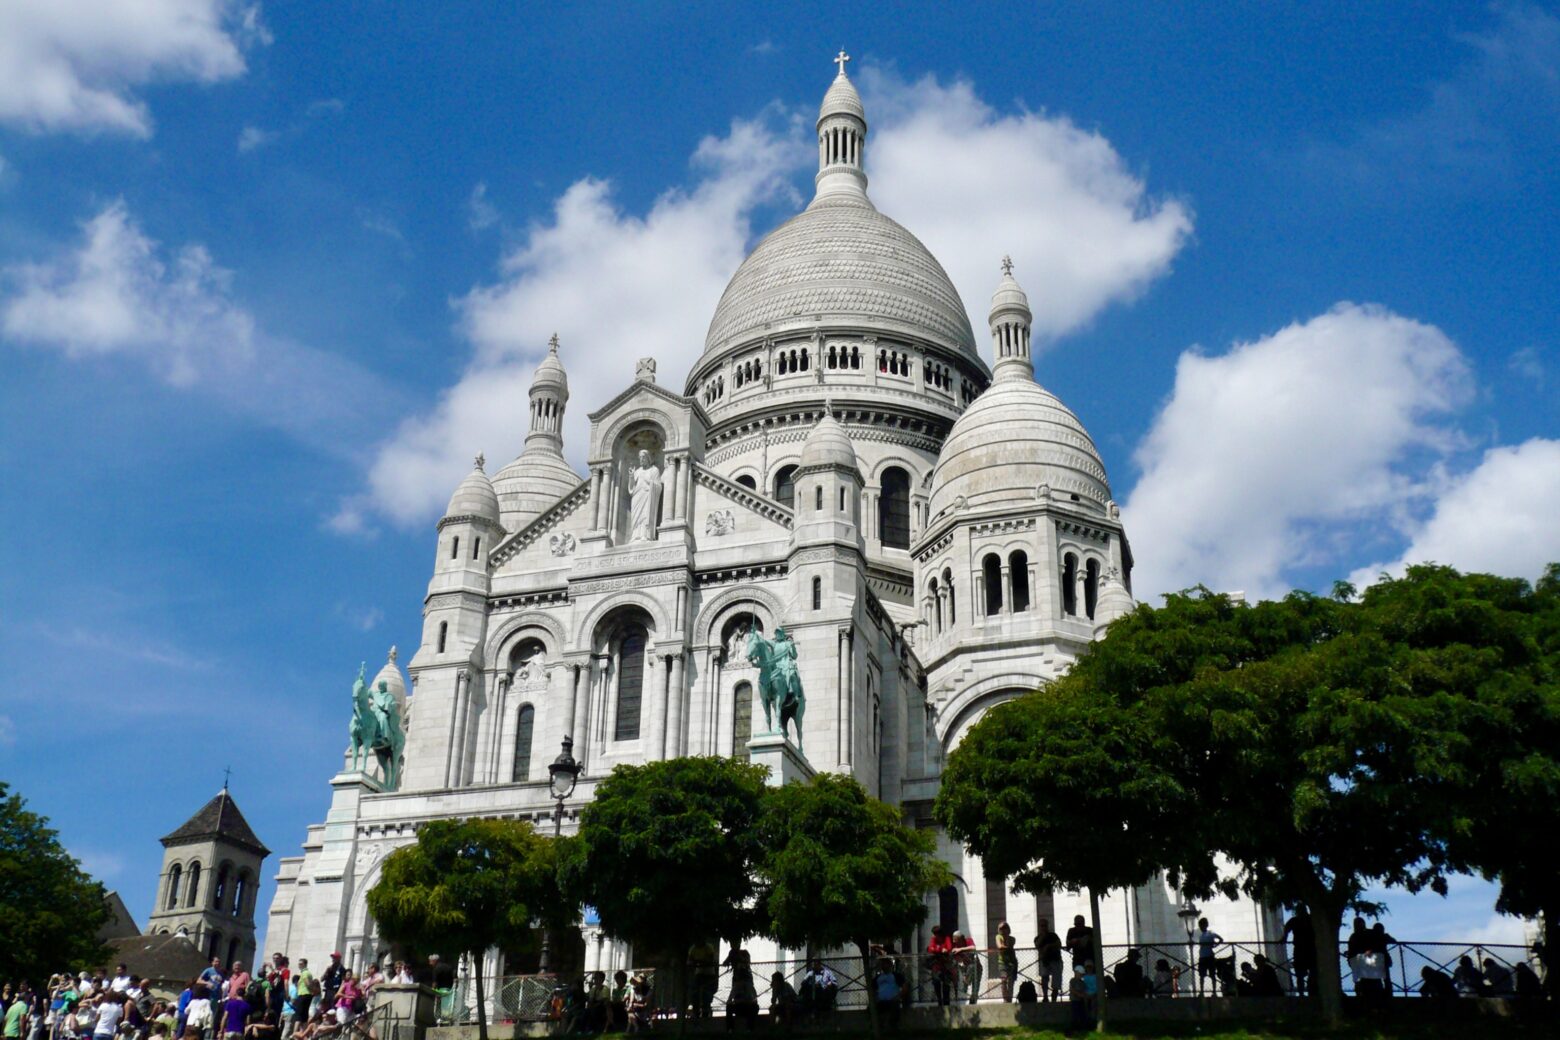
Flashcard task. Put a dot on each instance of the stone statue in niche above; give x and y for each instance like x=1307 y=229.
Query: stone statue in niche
x=562 y=543
x=530 y=669
x=644 y=498
x=644 y=370
x=719 y=522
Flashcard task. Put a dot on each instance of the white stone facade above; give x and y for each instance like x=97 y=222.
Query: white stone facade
x=937 y=535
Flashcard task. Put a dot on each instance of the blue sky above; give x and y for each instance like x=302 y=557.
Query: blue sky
x=269 y=277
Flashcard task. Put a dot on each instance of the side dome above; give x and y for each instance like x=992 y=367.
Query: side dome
x=474 y=496
x=531 y=484
x=1017 y=442
x=827 y=445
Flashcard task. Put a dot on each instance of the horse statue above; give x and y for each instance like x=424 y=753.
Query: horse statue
x=779 y=683
x=376 y=728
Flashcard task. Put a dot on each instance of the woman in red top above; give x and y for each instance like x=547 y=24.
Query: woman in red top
x=939 y=963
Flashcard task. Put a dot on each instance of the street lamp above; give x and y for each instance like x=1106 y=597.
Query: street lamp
x=1188 y=915
x=562 y=774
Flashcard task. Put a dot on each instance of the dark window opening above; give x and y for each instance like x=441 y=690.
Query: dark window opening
x=1091 y=587
x=817 y=589
x=894 y=509
x=1070 y=585
x=948 y=909
x=785 y=486
x=523 y=727
x=747 y=481
x=631 y=682
x=444 y=631
x=455 y=548
x=1018 y=575
x=818 y=499
x=991 y=573
x=742 y=720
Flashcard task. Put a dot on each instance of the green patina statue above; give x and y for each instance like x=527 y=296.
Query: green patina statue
x=779 y=683
x=376 y=727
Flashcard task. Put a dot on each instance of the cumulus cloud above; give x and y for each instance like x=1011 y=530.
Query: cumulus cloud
x=617 y=285
x=1265 y=457
x=1081 y=228
x=252 y=137
x=75 y=65
x=120 y=294
x=614 y=286
x=1499 y=517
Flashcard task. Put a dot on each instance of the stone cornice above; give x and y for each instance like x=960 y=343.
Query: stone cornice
x=762 y=505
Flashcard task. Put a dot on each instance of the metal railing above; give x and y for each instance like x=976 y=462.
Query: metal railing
x=975 y=976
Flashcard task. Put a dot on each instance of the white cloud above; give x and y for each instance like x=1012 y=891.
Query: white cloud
x=613 y=285
x=118 y=293
x=252 y=137
x=974 y=184
x=1264 y=456
x=482 y=213
x=1498 y=518
x=74 y=65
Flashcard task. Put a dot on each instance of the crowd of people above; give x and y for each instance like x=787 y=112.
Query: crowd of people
x=278 y=1001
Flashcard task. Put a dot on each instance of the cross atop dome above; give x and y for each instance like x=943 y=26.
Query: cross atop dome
x=840 y=59
x=1007 y=265
x=479 y=461
x=552 y=344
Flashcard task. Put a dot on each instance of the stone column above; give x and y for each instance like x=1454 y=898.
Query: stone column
x=501 y=765
x=844 y=726
x=579 y=708
x=595 y=498
x=652 y=711
x=457 y=758
x=675 y=723
x=1007 y=589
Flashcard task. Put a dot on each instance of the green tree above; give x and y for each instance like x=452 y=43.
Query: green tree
x=1326 y=745
x=1063 y=788
x=667 y=852
x=839 y=867
x=465 y=886
x=50 y=910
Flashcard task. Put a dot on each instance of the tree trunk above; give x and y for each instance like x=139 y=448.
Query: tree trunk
x=865 y=946
x=1099 y=961
x=1547 y=936
x=1326 y=921
x=476 y=962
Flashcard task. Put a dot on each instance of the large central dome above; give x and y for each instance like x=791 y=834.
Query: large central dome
x=840 y=261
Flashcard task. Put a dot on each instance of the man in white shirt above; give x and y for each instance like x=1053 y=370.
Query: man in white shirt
x=121 y=980
x=109 y=1011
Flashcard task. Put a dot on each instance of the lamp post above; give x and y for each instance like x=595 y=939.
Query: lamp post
x=562 y=774
x=1188 y=915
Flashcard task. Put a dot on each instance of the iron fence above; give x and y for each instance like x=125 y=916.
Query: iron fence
x=973 y=976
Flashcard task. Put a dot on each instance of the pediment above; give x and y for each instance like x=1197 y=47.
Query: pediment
x=552 y=520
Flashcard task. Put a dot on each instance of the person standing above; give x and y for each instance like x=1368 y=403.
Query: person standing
x=703 y=960
x=1303 y=964
x=1080 y=941
x=110 y=1012
x=939 y=964
x=331 y=981
x=1007 y=960
x=1208 y=942
x=1048 y=947
x=16 y=1015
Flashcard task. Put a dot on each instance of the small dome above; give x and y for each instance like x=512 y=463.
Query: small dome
x=1013 y=441
x=842 y=100
x=474 y=496
x=550 y=372
x=390 y=674
x=1114 y=602
x=827 y=445
x=529 y=485
x=1009 y=295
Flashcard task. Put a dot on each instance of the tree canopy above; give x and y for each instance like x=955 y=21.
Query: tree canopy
x=50 y=910
x=466 y=885
x=668 y=850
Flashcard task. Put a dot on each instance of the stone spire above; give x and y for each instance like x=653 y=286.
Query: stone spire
x=549 y=396
x=842 y=139
x=1010 y=321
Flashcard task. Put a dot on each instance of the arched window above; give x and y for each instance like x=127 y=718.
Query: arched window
x=194 y=886
x=214 y=946
x=991 y=575
x=948 y=909
x=935 y=591
x=219 y=893
x=240 y=890
x=444 y=631
x=455 y=548
x=1070 y=585
x=523 y=726
x=1091 y=586
x=175 y=878
x=842 y=500
x=817 y=590
x=894 y=509
x=785 y=486
x=232 y=950
x=818 y=499
x=476 y=548
x=742 y=720
x=631 y=681
x=1018 y=576
x=747 y=481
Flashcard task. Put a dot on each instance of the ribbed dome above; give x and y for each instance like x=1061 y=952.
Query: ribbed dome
x=828 y=445
x=474 y=496
x=393 y=680
x=840 y=261
x=530 y=484
x=1014 y=438
x=1009 y=295
x=842 y=99
x=550 y=372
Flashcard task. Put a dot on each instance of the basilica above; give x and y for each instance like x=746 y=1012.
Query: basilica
x=932 y=528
